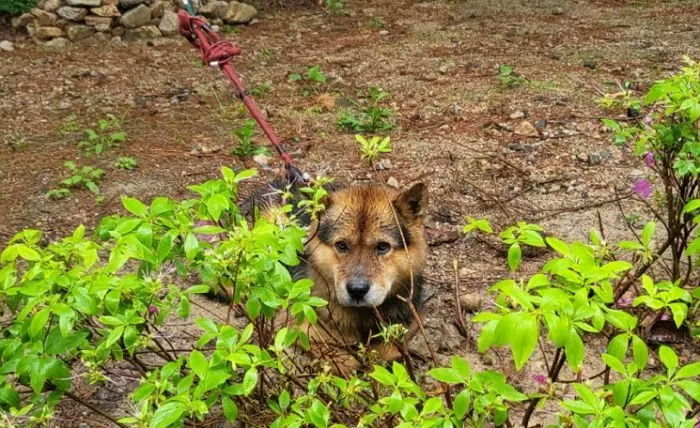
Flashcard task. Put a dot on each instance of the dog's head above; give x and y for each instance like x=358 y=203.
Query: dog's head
x=370 y=242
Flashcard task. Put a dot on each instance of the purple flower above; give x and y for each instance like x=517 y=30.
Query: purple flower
x=624 y=302
x=541 y=379
x=647 y=119
x=649 y=159
x=642 y=188
x=665 y=317
x=152 y=309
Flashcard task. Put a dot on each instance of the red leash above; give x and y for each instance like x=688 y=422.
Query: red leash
x=218 y=52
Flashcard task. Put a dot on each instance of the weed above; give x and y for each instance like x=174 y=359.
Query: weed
x=336 y=7
x=509 y=78
x=106 y=135
x=312 y=81
x=375 y=22
x=244 y=134
x=126 y=162
x=81 y=177
x=372 y=149
x=69 y=125
x=261 y=89
x=371 y=118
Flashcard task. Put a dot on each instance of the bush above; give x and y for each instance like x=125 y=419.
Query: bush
x=15 y=7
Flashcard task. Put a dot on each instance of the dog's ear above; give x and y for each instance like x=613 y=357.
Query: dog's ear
x=412 y=203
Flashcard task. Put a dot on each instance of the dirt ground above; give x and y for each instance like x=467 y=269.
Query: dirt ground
x=456 y=125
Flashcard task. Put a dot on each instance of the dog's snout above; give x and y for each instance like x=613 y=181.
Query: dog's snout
x=357 y=288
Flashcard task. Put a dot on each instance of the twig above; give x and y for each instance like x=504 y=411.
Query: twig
x=93 y=408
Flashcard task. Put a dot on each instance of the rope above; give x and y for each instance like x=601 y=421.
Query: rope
x=218 y=52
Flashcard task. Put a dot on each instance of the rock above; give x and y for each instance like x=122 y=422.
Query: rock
x=557 y=11
x=157 y=9
x=169 y=24
x=118 y=31
x=583 y=157
x=102 y=28
x=100 y=36
x=128 y=4
x=239 y=13
x=44 y=18
x=70 y=13
x=446 y=67
x=541 y=124
x=88 y=3
x=136 y=17
x=22 y=21
x=262 y=160
x=384 y=164
x=45 y=33
x=393 y=182
x=6 y=46
x=518 y=115
x=383 y=32
x=57 y=43
x=94 y=21
x=49 y=5
x=470 y=302
x=106 y=10
x=148 y=32
x=526 y=129
x=214 y=9
x=487 y=359
x=591 y=63
x=79 y=32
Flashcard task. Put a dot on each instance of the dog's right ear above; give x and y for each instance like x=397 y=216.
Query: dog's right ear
x=412 y=203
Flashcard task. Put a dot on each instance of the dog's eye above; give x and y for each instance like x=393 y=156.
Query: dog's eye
x=383 y=248
x=342 y=246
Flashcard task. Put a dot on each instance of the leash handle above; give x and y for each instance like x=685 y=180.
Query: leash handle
x=218 y=52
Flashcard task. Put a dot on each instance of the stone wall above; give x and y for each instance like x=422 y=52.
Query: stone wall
x=60 y=22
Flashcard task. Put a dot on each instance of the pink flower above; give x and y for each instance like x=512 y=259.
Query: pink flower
x=642 y=188
x=649 y=159
x=647 y=119
x=541 y=379
x=665 y=317
x=152 y=309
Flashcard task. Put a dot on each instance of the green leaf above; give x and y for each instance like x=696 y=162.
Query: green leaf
x=617 y=347
x=578 y=407
x=691 y=388
x=575 y=351
x=460 y=405
x=614 y=363
x=250 y=379
x=446 y=375
x=524 y=339
x=514 y=256
x=643 y=397
x=216 y=204
x=38 y=322
x=198 y=363
x=135 y=206
x=168 y=414
x=230 y=409
x=648 y=233
x=191 y=246
x=640 y=352
x=691 y=370
x=668 y=357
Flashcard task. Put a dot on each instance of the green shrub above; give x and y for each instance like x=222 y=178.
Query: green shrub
x=15 y=7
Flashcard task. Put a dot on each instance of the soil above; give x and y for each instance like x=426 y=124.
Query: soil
x=456 y=126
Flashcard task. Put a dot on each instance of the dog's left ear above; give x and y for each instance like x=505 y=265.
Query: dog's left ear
x=412 y=203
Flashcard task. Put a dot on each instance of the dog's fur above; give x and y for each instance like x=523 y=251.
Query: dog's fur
x=369 y=234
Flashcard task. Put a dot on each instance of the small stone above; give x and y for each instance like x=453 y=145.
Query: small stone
x=100 y=36
x=57 y=43
x=591 y=63
x=239 y=13
x=79 y=32
x=136 y=17
x=470 y=302
x=88 y=3
x=148 y=32
x=383 y=32
x=6 y=46
x=393 y=182
x=44 y=18
x=102 y=28
x=487 y=359
x=22 y=21
x=384 y=164
x=214 y=9
x=70 y=13
x=541 y=124
x=157 y=9
x=128 y=4
x=45 y=33
x=583 y=157
x=446 y=67
x=94 y=21
x=262 y=160
x=49 y=5
x=595 y=158
x=169 y=24
x=526 y=129
x=558 y=11
x=108 y=10
x=118 y=31
x=517 y=115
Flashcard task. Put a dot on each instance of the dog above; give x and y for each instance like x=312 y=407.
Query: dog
x=365 y=254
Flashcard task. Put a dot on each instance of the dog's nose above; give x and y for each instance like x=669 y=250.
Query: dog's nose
x=357 y=288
